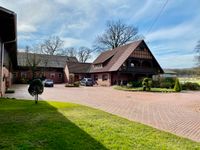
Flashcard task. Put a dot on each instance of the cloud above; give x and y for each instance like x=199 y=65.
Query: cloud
x=24 y=37
x=175 y=43
x=73 y=42
x=141 y=11
x=171 y=33
x=178 y=61
x=78 y=22
x=26 y=28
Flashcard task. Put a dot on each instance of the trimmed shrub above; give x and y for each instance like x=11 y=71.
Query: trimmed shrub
x=137 y=83
x=156 y=84
x=147 y=83
x=134 y=84
x=129 y=84
x=190 y=86
x=23 y=81
x=177 y=86
x=77 y=84
x=35 y=88
x=167 y=82
x=69 y=85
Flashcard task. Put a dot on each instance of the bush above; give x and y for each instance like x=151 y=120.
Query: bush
x=129 y=84
x=134 y=84
x=75 y=84
x=156 y=84
x=147 y=83
x=36 y=87
x=167 y=85
x=177 y=86
x=190 y=86
x=69 y=85
x=23 y=81
x=137 y=83
x=167 y=82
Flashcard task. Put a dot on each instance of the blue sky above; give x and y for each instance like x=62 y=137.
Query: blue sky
x=171 y=39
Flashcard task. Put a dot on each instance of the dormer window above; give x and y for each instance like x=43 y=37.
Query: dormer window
x=97 y=66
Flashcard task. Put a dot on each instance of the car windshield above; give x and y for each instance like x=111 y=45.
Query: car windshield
x=48 y=80
x=89 y=79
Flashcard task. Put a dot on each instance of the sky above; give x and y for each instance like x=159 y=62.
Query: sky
x=171 y=28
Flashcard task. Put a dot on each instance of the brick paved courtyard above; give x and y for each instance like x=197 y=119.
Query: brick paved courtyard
x=178 y=113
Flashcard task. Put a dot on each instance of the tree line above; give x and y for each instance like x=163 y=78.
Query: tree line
x=116 y=34
x=187 y=72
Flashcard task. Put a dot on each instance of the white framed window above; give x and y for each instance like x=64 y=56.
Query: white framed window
x=97 y=66
x=23 y=75
x=52 y=75
x=60 y=75
x=96 y=77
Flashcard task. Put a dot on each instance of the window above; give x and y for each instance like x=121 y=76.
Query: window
x=95 y=77
x=52 y=75
x=132 y=64
x=23 y=74
x=96 y=66
x=14 y=74
x=104 y=77
x=60 y=75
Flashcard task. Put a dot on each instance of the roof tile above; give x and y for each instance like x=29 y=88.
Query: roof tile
x=53 y=61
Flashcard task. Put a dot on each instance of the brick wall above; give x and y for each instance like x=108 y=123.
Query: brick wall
x=22 y=76
x=102 y=79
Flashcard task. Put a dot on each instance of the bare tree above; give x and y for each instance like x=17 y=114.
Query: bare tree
x=116 y=34
x=84 y=54
x=71 y=52
x=197 y=50
x=52 y=45
x=32 y=60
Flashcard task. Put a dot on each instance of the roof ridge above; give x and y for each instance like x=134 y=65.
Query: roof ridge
x=47 y=54
x=132 y=42
x=80 y=62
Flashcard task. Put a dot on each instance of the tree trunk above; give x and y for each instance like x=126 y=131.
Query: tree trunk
x=36 y=98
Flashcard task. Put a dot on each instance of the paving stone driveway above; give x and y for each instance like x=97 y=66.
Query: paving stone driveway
x=178 y=113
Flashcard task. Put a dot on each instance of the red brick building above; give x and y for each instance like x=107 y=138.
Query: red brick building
x=75 y=71
x=129 y=62
x=8 y=48
x=46 y=66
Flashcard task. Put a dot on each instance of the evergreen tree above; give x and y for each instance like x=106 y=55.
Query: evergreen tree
x=177 y=86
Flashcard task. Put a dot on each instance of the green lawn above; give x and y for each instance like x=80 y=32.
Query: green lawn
x=55 y=125
x=125 y=88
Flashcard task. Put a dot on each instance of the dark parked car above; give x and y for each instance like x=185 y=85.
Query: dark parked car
x=48 y=83
x=87 y=82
